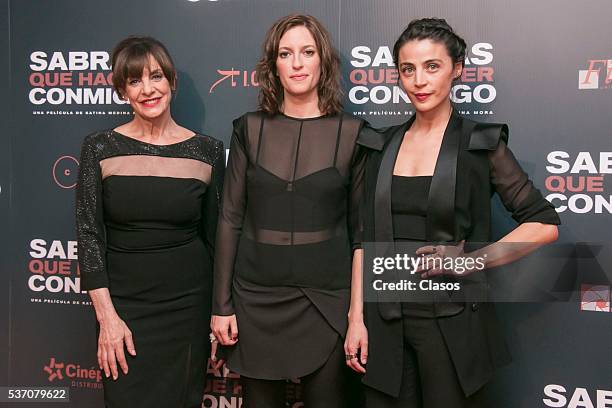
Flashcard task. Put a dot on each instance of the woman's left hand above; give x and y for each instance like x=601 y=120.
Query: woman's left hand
x=217 y=363
x=441 y=260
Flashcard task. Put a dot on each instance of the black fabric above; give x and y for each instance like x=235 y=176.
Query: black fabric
x=287 y=228
x=473 y=172
x=150 y=240
x=331 y=385
x=409 y=207
x=428 y=378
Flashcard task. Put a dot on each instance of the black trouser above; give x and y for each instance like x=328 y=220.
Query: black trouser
x=429 y=379
x=331 y=386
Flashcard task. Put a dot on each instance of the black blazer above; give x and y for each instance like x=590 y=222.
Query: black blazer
x=473 y=163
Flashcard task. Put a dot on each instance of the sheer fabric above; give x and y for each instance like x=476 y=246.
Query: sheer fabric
x=290 y=204
x=146 y=220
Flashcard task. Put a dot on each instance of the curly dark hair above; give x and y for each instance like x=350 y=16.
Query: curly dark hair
x=436 y=30
x=328 y=88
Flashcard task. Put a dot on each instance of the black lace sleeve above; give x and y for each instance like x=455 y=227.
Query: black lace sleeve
x=517 y=192
x=91 y=234
x=230 y=221
x=212 y=200
x=358 y=163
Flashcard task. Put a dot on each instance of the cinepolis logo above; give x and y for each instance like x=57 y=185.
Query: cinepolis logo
x=54 y=369
x=235 y=78
x=80 y=377
x=598 y=75
x=595 y=298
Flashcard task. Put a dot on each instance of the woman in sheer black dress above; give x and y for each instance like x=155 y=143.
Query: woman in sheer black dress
x=288 y=225
x=430 y=180
x=147 y=202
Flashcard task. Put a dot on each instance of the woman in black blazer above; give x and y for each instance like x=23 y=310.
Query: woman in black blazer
x=431 y=180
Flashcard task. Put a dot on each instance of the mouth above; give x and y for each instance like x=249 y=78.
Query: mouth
x=151 y=102
x=421 y=96
x=299 y=77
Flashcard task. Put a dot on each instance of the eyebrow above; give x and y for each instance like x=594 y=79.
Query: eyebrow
x=426 y=62
x=289 y=48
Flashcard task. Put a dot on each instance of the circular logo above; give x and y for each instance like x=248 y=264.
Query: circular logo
x=65 y=170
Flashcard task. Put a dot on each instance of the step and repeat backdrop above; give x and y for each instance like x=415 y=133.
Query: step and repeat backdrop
x=544 y=67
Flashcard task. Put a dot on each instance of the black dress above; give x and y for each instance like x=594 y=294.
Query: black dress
x=146 y=221
x=288 y=224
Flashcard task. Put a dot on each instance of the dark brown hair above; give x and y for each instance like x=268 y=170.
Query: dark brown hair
x=131 y=55
x=436 y=30
x=328 y=88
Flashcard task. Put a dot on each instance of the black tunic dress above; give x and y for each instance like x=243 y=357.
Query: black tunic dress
x=146 y=220
x=286 y=231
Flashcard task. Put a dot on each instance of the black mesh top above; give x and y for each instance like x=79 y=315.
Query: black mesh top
x=290 y=204
x=136 y=196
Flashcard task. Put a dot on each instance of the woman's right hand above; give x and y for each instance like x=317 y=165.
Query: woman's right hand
x=225 y=329
x=114 y=333
x=356 y=346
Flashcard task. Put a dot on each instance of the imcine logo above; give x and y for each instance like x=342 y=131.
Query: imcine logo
x=597 y=76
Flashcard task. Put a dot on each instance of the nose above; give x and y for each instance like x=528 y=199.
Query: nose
x=147 y=86
x=420 y=78
x=297 y=61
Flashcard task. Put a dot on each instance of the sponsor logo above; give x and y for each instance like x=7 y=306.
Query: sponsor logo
x=234 y=78
x=65 y=171
x=75 y=375
x=373 y=81
x=62 y=83
x=595 y=298
x=577 y=183
x=598 y=75
x=53 y=273
x=557 y=396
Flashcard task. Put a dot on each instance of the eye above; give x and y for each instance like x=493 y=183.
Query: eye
x=158 y=76
x=309 y=53
x=133 y=81
x=432 y=66
x=406 y=69
x=283 y=54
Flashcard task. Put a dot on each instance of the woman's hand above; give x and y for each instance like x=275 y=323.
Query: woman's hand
x=225 y=329
x=356 y=346
x=217 y=363
x=437 y=259
x=114 y=333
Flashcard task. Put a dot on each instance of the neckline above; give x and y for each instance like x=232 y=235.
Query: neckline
x=153 y=144
x=411 y=177
x=302 y=119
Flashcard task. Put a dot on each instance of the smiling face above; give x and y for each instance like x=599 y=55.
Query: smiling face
x=150 y=94
x=298 y=64
x=427 y=72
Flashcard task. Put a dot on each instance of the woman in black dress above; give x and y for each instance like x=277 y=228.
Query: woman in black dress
x=430 y=180
x=288 y=225
x=147 y=202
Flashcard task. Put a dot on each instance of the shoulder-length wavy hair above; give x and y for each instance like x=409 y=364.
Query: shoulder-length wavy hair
x=328 y=89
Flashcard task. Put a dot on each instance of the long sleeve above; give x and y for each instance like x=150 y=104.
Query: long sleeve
x=212 y=200
x=517 y=192
x=230 y=223
x=356 y=191
x=91 y=234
